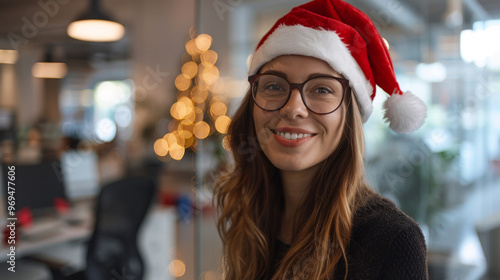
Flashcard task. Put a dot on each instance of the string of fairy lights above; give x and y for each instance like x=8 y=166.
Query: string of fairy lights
x=201 y=106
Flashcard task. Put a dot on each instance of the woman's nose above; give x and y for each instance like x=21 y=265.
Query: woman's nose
x=295 y=107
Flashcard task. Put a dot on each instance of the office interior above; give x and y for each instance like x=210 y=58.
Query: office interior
x=155 y=102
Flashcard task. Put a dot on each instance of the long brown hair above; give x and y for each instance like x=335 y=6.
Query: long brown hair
x=250 y=202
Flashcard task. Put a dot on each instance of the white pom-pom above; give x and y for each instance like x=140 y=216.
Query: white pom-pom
x=405 y=113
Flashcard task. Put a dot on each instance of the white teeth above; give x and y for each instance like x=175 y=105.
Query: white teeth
x=293 y=136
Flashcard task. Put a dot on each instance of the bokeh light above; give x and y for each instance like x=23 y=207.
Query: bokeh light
x=177 y=268
x=191 y=47
x=210 y=74
x=185 y=134
x=161 y=147
x=188 y=105
x=201 y=130
x=177 y=152
x=105 y=130
x=203 y=42
x=186 y=124
x=110 y=93
x=190 y=69
x=123 y=116
x=222 y=124
x=209 y=58
x=182 y=82
x=218 y=109
x=173 y=139
x=178 y=110
x=200 y=88
x=199 y=94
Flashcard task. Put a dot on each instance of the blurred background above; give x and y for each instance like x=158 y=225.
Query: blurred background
x=150 y=94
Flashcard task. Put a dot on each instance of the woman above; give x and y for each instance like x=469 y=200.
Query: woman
x=296 y=204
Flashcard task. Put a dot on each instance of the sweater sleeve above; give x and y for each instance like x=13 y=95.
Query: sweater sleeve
x=407 y=257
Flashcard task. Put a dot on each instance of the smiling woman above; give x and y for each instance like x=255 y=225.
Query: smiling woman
x=299 y=207
x=278 y=131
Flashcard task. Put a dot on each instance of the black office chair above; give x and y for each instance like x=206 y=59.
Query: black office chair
x=112 y=251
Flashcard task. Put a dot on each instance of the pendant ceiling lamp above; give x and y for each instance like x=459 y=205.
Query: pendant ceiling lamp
x=49 y=68
x=95 y=26
x=8 y=56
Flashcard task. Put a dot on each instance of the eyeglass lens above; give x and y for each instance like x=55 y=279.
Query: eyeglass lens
x=321 y=95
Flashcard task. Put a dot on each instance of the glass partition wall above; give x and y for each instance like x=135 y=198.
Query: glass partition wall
x=447 y=174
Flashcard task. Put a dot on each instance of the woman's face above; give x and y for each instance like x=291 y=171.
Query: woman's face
x=320 y=133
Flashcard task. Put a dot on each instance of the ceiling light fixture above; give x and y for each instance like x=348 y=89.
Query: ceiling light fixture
x=48 y=68
x=8 y=56
x=95 y=26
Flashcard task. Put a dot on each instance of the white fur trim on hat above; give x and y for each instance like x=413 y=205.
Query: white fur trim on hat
x=405 y=112
x=322 y=44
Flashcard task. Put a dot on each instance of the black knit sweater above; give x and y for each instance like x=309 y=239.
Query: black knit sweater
x=385 y=244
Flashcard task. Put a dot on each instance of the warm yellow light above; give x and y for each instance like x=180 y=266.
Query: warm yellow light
x=178 y=110
x=218 y=109
x=222 y=124
x=225 y=143
x=8 y=56
x=177 y=267
x=191 y=47
x=209 y=58
x=173 y=139
x=188 y=103
x=201 y=130
x=199 y=112
x=191 y=117
x=203 y=42
x=187 y=126
x=160 y=147
x=96 y=30
x=185 y=134
x=177 y=153
x=190 y=69
x=49 y=70
x=199 y=94
x=210 y=74
x=182 y=82
x=189 y=142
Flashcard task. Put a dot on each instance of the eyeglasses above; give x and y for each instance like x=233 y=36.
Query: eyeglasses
x=321 y=94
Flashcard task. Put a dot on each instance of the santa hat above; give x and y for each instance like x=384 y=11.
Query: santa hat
x=344 y=37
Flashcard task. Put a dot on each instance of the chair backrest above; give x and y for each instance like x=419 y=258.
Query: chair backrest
x=112 y=250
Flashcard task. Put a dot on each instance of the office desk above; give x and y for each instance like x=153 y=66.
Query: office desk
x=156 y=241
x=65 y=234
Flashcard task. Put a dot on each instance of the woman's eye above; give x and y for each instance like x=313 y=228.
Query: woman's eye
x=323 y=90
x=274 y=87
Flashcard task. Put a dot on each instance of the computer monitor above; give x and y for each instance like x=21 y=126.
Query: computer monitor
x=36 y=186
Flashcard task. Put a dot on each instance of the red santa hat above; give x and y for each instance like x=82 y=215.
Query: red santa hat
x=344 y=37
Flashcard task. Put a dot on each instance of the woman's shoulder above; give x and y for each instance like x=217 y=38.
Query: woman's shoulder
x=379 y=223
x=379 y=214
x=386 y=242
